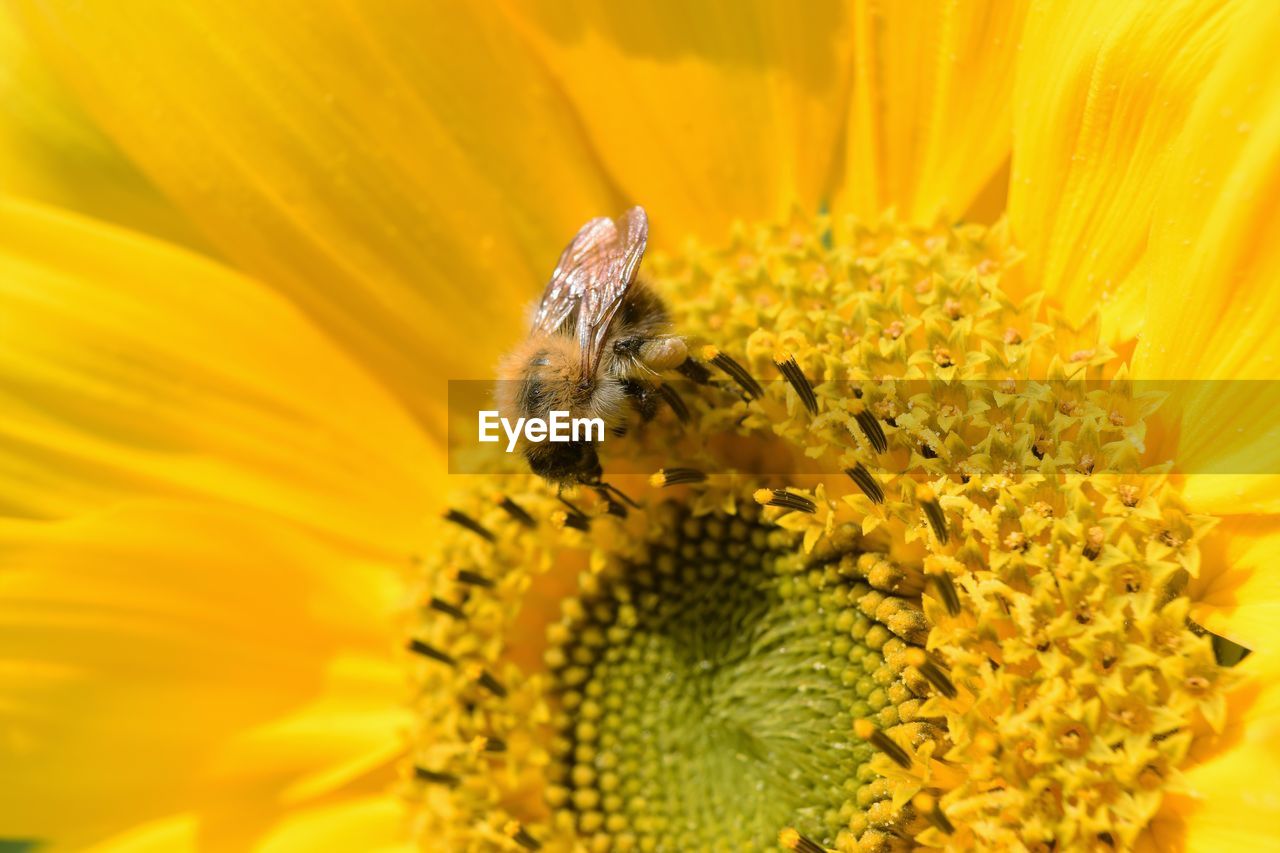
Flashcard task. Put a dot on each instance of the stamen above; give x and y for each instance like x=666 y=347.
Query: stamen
x=946 y=589
x=1095 y=538
x=784 y=499
x=574 y=517
x=420 y=648
x=928 y=805
x=611 y=506
x=735 y=371
x=870 y=427
x=517 y=512
x=675 y=402
x=790 y=368
x=488 y=744
x=793 y=840
x=694 y=372
x=933 y=512
x=439 y=604
x=465 y=521
x=867 y=730
x=562 y=519
x=664 y=477
x=435 y=777
x=933 y=672
x=867 y=483
x=486 y=680
x=472 y=578
x=521 y=836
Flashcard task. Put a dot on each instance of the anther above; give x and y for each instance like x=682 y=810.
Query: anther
x=928 y=805
x=611 y=506
x=735 y=371
x=694 y=372
x=664 y=477
x=488 y=744
x=521 y=836
x=561 y=519
x=867 y=730
x=418 y=647
x=572 y=517
x=517 y=512
x=791 y=371
x=471 y=578
x=933 y=672
x=791 y=839
x=786 y=500
x=486 y=680
x=1095 y=538
x=436 y=777
x=870 y=427
x=439 y=604
x=863 y=480
x=673 y=399
x=465 y=521
x=933 y=512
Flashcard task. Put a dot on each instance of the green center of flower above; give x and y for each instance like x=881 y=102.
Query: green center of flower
x=709 y=696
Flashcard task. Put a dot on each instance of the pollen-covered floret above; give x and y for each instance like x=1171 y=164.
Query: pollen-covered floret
x=900 y=577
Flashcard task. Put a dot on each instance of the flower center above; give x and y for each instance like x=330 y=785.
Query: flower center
x=709 y=693
x=885 y=588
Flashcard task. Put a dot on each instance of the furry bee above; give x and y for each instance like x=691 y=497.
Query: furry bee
x=598 y=338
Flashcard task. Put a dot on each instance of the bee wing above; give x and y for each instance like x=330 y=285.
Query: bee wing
x=570 y=277
x=593 y=275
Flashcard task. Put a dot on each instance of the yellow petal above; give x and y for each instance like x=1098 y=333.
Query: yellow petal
x=146 y=646
x=1238 y=592
x=703 y=112
x=365 y=823
x=930 y=108
x=1232 y=803
x=405 y=171
x=51 y=152
x=374 y=824
x=132 y=368
x=1213 y=303
x=1103 y=86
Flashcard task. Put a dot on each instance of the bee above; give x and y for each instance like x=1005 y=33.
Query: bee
x=599 y=338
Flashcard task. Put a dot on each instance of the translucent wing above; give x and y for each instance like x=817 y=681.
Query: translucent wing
x=592 y=277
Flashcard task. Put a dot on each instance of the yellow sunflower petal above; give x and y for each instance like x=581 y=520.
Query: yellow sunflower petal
x=1232 y=802
x=408 y=177
x=375 y=824
x=129 y=367
x=144 y=647
x=366 y=823
x=51 y=152
x=1238 y=591
x=1213 y=301
x=930 y=109
x=1103 y=86
x=705 y=112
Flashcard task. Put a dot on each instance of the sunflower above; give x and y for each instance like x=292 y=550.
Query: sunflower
x=921 y=562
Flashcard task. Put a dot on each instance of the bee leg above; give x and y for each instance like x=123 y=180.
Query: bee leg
x=628 y=346
x=644 y=397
